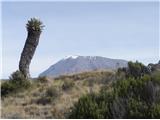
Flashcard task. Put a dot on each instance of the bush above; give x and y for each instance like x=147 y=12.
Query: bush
x=49 y=96
x=155 y=76
x=134 y=69
x=16 y=83
x=67 y=85
x=6 y=88
x=53 y=91
x=88 y=107
x=137 y=109
x=19 y=80
x=155 y=111
x=128 y=98
x=43 y=79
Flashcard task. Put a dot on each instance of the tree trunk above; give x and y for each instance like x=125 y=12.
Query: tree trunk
x=28 y=52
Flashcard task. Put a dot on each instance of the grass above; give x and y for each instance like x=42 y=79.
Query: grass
x=58 y=95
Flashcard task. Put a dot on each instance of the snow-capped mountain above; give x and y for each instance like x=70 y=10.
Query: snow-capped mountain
x=77 y=64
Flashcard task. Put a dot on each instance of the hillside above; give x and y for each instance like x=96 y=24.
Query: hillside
x=78 y=64
x=36 y=102
x=132 y=92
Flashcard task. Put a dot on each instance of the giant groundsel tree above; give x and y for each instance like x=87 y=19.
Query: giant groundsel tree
x=34 y=28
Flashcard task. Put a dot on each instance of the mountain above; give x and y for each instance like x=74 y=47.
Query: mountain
x=78 y=64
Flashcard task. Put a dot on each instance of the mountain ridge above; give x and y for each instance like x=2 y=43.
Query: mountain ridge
x=77 y=64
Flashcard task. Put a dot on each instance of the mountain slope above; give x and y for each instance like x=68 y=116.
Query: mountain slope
x=49 y=98
x=78 y=64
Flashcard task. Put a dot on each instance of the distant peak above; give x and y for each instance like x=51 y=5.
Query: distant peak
x=72 y=64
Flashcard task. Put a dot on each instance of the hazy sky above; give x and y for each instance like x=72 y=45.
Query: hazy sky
x=124 y=30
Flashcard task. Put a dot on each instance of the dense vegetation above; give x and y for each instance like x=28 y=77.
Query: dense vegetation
x=50 y=98
x=137 y=95
x=17 y=83
x=132 y=92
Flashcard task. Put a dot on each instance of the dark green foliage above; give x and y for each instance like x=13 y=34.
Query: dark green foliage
x=156 y=76
x=135 y=69
x=89 y=106
x=16 y=83
x=92 y=106
x=6 y=88
x=131 y=87
x=34 y=25
x=133 y=97
x=155 y=111
x=137 y=109
x=18 y=79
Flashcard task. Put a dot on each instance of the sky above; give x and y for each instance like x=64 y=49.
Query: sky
x=120 y=30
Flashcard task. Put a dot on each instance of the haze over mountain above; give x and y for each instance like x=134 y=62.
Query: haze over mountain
x=78 y=64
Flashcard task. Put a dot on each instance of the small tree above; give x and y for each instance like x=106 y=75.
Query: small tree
x=137 y=69
x=34 y=28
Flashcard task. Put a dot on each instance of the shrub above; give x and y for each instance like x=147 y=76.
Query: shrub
x=87 y=107
x=19 y=80
x=16 y=83
x=67 y=85
x=128 y=98
x=53 y=91
x=43 y=79
x=131 y=87
x=137 y=109
x=50 y=95
x=155 y=76
x=6 y=88
x=134 y=69
x=155 y=111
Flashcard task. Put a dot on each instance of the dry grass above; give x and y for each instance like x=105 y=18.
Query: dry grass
x=25 y=105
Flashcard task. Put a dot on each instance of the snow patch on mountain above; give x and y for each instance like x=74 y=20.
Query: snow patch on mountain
x=71 y=56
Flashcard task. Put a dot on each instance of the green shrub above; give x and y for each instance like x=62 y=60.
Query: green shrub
x=137 y=109
x=134 y=69
x=19 y=80
x=16 y=83
x=155 y=76
x=88 y=107
x=128 y=98
x=6 y=88
x=131 y=87
x=155 y=111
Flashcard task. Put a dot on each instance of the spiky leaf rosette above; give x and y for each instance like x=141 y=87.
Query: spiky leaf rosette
x=34 y=25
